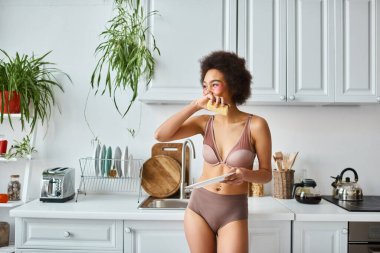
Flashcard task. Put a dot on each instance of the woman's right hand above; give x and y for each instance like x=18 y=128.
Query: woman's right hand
x=201 y=103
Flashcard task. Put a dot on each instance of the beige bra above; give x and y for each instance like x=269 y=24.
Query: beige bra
x=241 y=155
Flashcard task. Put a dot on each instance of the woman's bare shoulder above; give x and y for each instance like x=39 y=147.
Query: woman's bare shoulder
x=258 y=124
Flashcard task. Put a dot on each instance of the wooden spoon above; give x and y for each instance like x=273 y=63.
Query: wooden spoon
x=292 y=159
x=278 y=157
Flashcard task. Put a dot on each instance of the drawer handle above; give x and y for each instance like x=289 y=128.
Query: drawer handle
x=66 y=234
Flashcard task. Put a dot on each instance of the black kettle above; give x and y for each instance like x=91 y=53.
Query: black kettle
x=306 y=192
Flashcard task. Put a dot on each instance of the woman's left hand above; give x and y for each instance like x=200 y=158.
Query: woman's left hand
x=236 y=178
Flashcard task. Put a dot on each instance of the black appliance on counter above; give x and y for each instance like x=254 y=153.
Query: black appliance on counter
x=367 y=204
x=363 y=237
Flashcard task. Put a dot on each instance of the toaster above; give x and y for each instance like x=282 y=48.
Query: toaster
x=57 y=184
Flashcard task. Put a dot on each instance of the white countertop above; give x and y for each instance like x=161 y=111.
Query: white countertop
x=325 y=211
x=124 y=207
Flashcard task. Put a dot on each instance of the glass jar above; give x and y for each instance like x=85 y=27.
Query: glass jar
x=14 y=188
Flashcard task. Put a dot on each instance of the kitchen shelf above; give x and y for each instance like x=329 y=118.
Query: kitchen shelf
x=28 y=164
x=13 y=115
x=12 y=204
x=3 y=160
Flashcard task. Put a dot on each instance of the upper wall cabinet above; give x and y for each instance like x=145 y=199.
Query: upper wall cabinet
x=358 y=51
x=313 y=51
x=289 y=49
x=298 y=51
x=185 y=31
x=310 y=51
x=262 y=42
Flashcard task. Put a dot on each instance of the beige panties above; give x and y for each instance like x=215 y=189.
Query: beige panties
x=217 y=209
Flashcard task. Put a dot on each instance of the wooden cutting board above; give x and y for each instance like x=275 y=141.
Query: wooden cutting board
x=173 y=150
x=161 y=176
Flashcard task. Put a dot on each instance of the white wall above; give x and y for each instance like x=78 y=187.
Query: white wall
x=329 y=138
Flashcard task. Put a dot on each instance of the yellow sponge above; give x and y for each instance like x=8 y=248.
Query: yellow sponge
x=220 y=109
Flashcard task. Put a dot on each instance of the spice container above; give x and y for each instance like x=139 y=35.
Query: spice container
x=14 y=188
x=256 y=190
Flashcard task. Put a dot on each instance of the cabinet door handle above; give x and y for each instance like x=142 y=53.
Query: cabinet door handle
x=378 y=99
x=344 y=231
x=283 y=98
x=128 y=230
x=66 y=234
x=292 y=97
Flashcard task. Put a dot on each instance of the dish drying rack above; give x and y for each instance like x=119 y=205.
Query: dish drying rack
x=93 y=180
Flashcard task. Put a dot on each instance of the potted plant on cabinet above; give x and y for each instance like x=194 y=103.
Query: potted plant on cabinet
x=21 y=149
x=31 y=80
x=125 y=55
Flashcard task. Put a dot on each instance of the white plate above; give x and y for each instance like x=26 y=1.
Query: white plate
x=210 y=181
x=130 y=166
x=103 y=160
x=117 y=157
x=96 y=159
x=124 y=161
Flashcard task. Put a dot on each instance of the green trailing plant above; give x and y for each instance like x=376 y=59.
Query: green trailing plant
x=33 y=78
x=21 y=149
x=125 y=56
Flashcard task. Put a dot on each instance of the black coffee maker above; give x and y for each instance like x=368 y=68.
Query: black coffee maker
x=306 y=192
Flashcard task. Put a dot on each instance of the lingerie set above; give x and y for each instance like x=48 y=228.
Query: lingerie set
x=220 y=209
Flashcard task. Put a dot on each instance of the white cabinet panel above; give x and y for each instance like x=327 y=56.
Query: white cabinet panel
x=60 y=251
x=269 y=236
x=69 y=234
x=262 y=42
x=358 y=51
x=317 y=237
x=154 y=236
x=185 y=31
x=310 y=61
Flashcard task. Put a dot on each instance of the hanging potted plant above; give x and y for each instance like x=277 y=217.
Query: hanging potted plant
x=125 y=55
x=30 y=80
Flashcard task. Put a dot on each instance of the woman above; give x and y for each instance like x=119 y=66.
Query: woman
x=216 y=219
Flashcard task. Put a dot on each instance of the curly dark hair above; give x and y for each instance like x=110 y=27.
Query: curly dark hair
x=235 y=73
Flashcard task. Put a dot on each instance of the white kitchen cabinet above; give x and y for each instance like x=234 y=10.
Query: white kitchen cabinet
x=185 y=31
x=262 y=42
x=358 y=51
x=289 y=48
x=55 y=251
x=317 y=237
x=169 y=236
x=269 y=236
x=313 y=51
x=154 y=236
x=310 y=51
x=68 y=235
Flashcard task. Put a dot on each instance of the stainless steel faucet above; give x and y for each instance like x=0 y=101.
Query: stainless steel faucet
x=183 y=167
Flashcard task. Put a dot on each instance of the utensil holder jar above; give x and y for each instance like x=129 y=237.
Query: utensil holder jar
x=283 y=184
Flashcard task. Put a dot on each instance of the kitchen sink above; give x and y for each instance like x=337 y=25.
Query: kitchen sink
x=163 y=204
